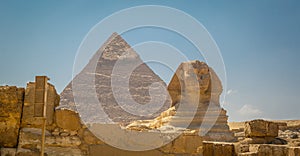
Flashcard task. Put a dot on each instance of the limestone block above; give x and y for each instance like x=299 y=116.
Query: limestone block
x=28 y=118
x=184 y=144
x=30 y=138
x=63 y=151
x=272 y=129
x=98 y=150
x=294 y=151
x=261 y=128
x=187 y=144
x=67 y=119
x=218 y=148
x=70 y=141
x=224 y=149
x=208 y=149
x=8 y=151
x=241 y=148
x=282 y=125
x=11 y=103
x=27 y=152
x=269 y=150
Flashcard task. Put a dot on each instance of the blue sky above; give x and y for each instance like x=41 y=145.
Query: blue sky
x=259 y=42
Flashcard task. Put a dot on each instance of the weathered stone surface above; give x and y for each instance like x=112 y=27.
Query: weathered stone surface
x=11 y=103
x=213 y=117
x=125 y=139
x=143 y=125
x=218 y=148
x=184 y=144
x=27 y=152
x=28 y=118
x=206 y=111
x=261 y=128
x=241 y=148
x=8 y=151
x=248 y=154
x=187 y=144
x=294 y=151
x=51 y=151
x=63 y=151
x=258 y=140
x=30 y=138
x=96 y=150
x=195 y=71
x=282 y=125
x=67 y=119
x=269 y=150
x=140 y=81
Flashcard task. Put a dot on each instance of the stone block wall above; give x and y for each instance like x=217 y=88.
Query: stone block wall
x=21 y=131
x=237 y=149
x=79 y=141
x=28 y=118
x=11 y=103
x=184 y=144
x=218 y=148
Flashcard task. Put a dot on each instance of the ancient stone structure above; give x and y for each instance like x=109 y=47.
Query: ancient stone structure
x=260 y=141
x=237 y=149
x=113 y=50
x=258 y=145
x=157 y=123
x=261 y=132
x=11 y=103
x=28 y=117
x=261 y=128
x=191 y=74
x=193 y=107
x=208 y=115
x=66 y=135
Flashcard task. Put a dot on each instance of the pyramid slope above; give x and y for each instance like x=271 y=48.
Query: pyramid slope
x=142 y=77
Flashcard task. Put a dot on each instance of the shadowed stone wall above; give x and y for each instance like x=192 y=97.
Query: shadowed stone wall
x=11 y=103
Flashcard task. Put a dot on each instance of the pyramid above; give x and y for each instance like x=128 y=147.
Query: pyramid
x=100 y=67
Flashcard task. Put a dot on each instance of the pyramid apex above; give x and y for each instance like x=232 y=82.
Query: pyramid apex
x=113 y=35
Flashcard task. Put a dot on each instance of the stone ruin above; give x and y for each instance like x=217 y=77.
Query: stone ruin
x=205 y=113
x=260 y=138
x=67 y=135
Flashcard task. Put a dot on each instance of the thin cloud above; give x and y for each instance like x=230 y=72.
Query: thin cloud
x=231 y=92
x=250 y=111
